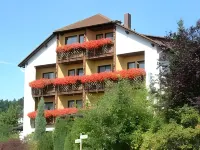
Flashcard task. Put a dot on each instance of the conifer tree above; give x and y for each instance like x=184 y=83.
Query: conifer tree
x=40 y=121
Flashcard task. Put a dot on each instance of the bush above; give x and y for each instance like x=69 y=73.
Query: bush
x=172 y=136
x=13 y=144
x=122 y=112
x=186 y=116
x=46 y=142
x=60 y=132
x=5 y=132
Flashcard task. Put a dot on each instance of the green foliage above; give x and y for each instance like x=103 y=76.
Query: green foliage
x=186 y=116
x=46 y=142
x=181 y=84
x=121 y=113
x=8 y=120
x=10 y=117
x=62 y=127
x=172 y=136
x=5 y=104
x=40 y=121
x=4 y=132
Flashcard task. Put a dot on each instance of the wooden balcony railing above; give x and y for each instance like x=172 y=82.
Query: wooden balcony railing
x=105 y=51
x=70 y=56
x=94 y=87
x=70 y=89
x=47 y=91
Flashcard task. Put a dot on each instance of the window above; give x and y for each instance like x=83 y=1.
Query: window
x=80 y=72
x=79 y=103
x=49 y=75
x=109 y=35
x=81 y=38
x=71 y=72
x=71 y=39
x=131 y=65
x=70 y=103
x=105 y=68
x=99 y=36
x=48 y=106
x=140 y=64
x=75 y=103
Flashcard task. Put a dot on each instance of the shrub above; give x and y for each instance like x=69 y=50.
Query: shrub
x=13 y=144
x=121 y=112
x=60 y=132
x=172 y=136
x=46 y=142
x=186 y=116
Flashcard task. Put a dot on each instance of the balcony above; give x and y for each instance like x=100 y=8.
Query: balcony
x=70 y=56
x=100 y=53
x=94 y=87
x=70 y=89
x=46 y=91
x=94 y=49
x=71 y=85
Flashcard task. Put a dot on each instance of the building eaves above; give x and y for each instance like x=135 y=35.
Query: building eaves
x=141 y=35
x=24 y=61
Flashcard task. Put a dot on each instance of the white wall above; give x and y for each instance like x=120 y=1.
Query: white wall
x=128 y=43
x=47 y=55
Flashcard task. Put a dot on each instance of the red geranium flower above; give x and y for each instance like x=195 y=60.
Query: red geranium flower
x=54 y=113
x=41 y=83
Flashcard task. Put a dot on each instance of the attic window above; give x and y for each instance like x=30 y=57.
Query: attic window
x=109 y=35
x=71 y=39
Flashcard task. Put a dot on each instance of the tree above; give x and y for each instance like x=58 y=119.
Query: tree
x=181 y=84
x=10 y=117
x=62 y=128
x=120 y=113
x=40 y=121
x=181 y=132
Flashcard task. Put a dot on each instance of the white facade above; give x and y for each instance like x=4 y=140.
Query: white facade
x=46 y=55
x=131 y=42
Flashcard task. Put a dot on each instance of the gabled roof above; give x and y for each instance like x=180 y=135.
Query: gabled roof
x=23 y=62
x=95 y=20
x=91 y=21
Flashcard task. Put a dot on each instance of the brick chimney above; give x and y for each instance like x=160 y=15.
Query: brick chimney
x=127 y=20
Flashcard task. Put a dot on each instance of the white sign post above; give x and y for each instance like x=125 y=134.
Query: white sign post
x=80 y=140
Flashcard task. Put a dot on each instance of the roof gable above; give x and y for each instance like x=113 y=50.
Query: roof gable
x=91 y=21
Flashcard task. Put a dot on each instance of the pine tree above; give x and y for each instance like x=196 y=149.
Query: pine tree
x=40 y=121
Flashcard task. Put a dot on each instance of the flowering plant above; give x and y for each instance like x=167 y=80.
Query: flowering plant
x=97 y=77
x=89 y=45
x=70 y=47
x=66 y=80
x=41 y=83
x=54 y=113
x=95 y=44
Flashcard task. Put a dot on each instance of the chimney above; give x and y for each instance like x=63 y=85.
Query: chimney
x=127 y=20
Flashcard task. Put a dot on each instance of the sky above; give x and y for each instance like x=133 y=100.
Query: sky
x=25 y=24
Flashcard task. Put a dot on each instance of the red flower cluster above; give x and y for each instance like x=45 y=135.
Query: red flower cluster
x=66 y=80
x=95 y=44
x=41 y=83
x=54 y=113
x=99 y=77
x=90 y=45
x=70 y=47
x=131 y=74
